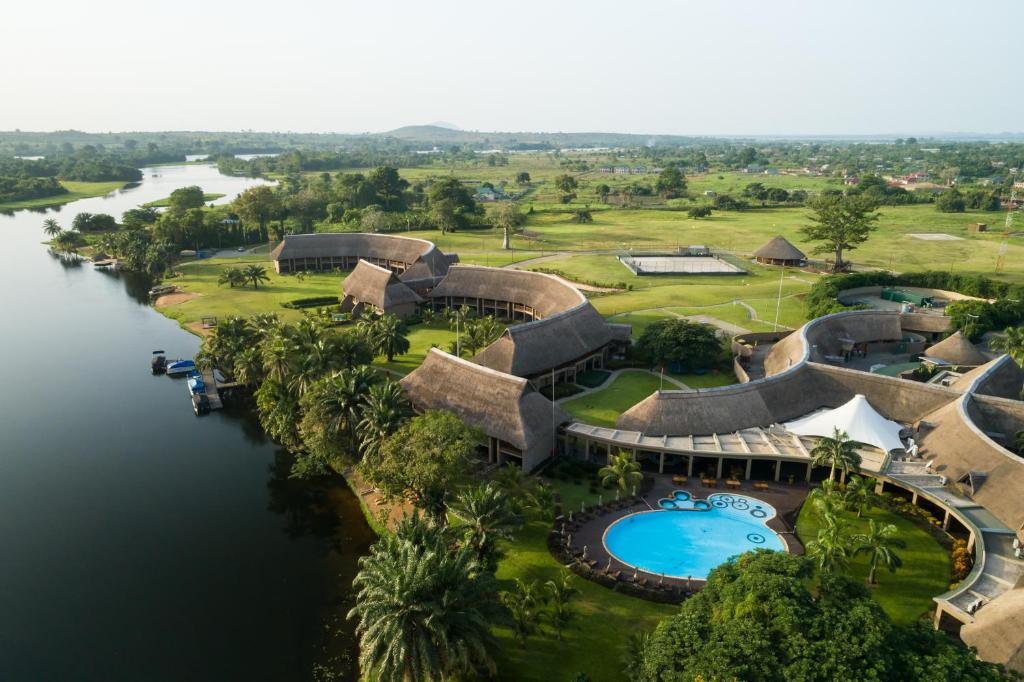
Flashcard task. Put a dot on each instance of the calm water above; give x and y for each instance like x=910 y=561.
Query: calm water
x=686 y=542
x=138 y=542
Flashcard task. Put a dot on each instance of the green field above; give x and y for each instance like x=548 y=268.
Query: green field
x=906 y=595
x=594 y=642
x=166 y=201
x=421 y=338
x=603 y=407
x=76 y=191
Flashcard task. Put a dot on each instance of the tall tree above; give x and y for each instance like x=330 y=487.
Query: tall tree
x=331 y=409
x=1011 y=343
x=841 y=222
x=836 y=452
x=621 y=471
x=184 y=198
x=386 y=408
x=258 y=205
x=487 y=515
x=830 y=549
x=256 y=273
x=879 y=544
x=389 y=185
x=51 y=228
x=506 y=217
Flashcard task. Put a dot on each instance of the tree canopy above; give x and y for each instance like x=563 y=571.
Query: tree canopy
x=677 y=341
x=841 y=222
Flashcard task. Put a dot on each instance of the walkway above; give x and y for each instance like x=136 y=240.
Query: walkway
x=615 y=373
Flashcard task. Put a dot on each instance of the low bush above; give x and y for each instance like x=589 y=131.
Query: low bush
x=310 y=302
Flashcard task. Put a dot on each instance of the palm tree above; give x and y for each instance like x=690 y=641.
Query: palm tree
x=622 y=471
x=878 y=543
x=542 y=499
x=424 y=613
x=559 y=598
x=389 y=336
x=1011 y=343
x=837 y=452
x=67 y=241
x=523 y=604
x=232 y=277
x=827 y=500
x=830 y=549
x=860 y=494
x=249 y=369
x=385 y=409
x=256 y=273
x=513 y=481
x=487 y=515
x=335 y=403
x=51 y=228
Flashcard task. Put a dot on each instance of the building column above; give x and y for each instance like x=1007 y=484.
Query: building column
x=879 y=487
x=970 y=543
x=586 y=449
x=945 y=521
x=913 y=499
x=661 y=462
x=750 y=464
x=634 y=453
x=719 y=474
x=491 y=450
x=778 y=470
x=689 y=466
x=810 y=466
x=937 y=623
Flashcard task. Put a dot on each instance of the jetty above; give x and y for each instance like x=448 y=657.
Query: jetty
x=212 y=390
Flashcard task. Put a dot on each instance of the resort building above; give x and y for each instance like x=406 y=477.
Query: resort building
x=411 y=259
x=380 y=289
x=779 y=251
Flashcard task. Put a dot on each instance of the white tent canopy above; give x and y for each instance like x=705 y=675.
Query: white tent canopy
x=858 y=419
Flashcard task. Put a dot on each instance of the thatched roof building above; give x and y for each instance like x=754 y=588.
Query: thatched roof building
x=779 y=251
x=955 y=349
x=998 y=630
x=519 y=421
x=379 y=287
x=410 y=258
x=535 y=293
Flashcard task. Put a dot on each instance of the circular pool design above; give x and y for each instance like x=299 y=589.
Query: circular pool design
x=689 y=541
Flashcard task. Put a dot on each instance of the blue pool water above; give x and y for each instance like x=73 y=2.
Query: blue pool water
x=690 y=541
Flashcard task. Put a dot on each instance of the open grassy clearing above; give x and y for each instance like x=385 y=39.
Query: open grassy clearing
x=76 y=191
x=603 y=407
x=907 y=594
x=422 y=337
x=166 y=201
x=593 y=643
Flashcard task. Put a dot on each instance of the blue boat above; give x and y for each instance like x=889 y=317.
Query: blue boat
x=196 y=385
x=179 y=367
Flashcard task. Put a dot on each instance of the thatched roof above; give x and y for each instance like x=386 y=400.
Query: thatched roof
x=779 y=248
x=957 y=350
x=533 y=347
x=380 y=287
x=780 y=398
x=500 y=405
x=546 y=294
x=365 y=245
x=1001 y=377
x=998 y=630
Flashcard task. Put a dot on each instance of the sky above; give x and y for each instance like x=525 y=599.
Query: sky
x=728 y=67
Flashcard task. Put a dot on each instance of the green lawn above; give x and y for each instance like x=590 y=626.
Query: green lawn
x=593 y=644
x=421 y=338
x=907 y=594
x=76 y=191
x=709 y=380
x=166 y=201
x=602 y=408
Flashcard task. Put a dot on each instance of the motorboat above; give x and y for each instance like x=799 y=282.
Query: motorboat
x=180 y=367
x=159 y=362
x=196 y=385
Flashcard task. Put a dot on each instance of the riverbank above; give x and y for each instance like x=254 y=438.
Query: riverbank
x=166 y=201
x=75 y=191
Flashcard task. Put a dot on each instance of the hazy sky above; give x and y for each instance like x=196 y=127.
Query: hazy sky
x=687 y=67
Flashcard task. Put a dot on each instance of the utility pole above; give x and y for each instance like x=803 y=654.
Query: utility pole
x=1006 y=231
x=778 y=301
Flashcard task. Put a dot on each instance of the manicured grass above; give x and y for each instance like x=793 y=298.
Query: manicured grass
x=593 y=643
x=709 y=380
x=200 y=277
x=907 y=594
x=602 y=408
x=76 y=191
x=421 y=338
x=166 y=201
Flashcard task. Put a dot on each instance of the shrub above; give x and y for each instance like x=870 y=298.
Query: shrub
x=310 y=302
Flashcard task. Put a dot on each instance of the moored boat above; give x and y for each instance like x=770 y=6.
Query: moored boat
x=180 y=367
x=159 y=362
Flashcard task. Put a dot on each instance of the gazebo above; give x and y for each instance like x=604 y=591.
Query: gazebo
x=860 y=422
x=779 y=251
x=955 y=349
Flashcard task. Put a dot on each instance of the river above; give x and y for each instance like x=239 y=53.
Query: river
x=138 y=542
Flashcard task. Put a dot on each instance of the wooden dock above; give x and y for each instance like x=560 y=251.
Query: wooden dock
x=212 y=392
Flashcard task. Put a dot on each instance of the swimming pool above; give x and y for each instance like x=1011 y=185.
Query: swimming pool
x=689 y=542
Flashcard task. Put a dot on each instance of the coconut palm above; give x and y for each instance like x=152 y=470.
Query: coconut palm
x=559 y=594
x=523 y=604
x=390 y=336
x=541 y=498
x=51 y=228
x=256 y=273
x=827 y=500
x=1011 y=343
x=859 y=494
x=385 y=409
x=249 y=368
x=487 y=515
x=424 y=613
x=232 y=277
x=516 y=484
x=621 y=471
x=67 y=241
x=837 y=452
x=334 y=403
x=830 y=549
x=878 y=543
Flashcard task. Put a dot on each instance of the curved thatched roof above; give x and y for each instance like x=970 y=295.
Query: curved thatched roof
x=407 y=250
x=779 y=248
x=380 y=287
x=546 y=294
x=998 y=630
x=499 y=404
x=1000 y=377
x=957 y=350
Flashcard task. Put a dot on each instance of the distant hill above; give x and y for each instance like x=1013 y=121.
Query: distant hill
x=442 y=135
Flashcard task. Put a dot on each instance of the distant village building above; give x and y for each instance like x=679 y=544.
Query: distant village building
x=779 y=251
x=710 y=193
x=851 y=180
x=487 y=194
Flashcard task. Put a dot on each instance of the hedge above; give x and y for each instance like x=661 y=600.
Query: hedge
x=311 y=302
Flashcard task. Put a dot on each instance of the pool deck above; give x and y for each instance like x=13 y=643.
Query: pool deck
x=589 y=533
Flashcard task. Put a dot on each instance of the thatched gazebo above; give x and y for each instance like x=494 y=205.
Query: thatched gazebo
x=955 y=349
x=779 y=251
x=380 y=288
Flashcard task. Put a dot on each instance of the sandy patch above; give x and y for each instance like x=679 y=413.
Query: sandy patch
x=175 y=299
x=935 y=237
x=197 y=328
